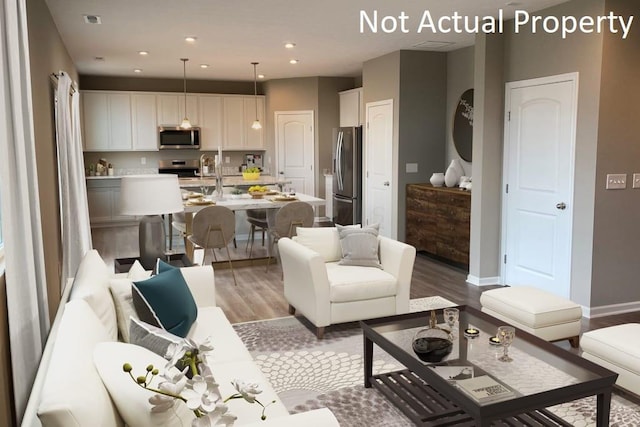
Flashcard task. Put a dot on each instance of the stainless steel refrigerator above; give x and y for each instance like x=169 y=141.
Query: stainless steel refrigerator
x=347 y=175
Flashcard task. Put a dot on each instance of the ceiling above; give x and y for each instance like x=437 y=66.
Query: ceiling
x=233 y=33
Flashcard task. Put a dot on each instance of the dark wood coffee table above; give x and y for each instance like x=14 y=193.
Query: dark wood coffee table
x=541 y=375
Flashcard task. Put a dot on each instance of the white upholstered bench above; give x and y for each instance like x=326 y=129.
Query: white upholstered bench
x=538 y=312
x=616 y=348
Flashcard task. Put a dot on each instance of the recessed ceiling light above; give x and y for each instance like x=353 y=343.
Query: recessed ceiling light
x=204 y=65
x=190 y=39
x=137 y=70
x=261 y=76
x=293 y=61
x=289 y=45
x=143 y=53
x=92 y=19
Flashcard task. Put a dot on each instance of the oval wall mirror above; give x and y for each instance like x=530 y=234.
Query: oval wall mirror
x=463 y=125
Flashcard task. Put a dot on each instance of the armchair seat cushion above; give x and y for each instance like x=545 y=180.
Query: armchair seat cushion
x=354 y=283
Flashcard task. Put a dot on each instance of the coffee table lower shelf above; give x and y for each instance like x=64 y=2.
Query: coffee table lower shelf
x=423 y=405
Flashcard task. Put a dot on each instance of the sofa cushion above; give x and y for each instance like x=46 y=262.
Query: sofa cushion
x=359 y=246
x=227 y=345
x=132 y=400
x=323 y=240
x=615 y=344
x=123 y=301
x=165 y=301
x=91 y=283
x=73 y=393
x=151 y=337
x=352 y=283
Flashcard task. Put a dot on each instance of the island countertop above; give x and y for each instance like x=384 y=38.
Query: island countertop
x=231 y=181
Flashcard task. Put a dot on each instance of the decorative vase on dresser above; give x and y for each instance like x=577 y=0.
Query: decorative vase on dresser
x=437 y=179
x=453 y=173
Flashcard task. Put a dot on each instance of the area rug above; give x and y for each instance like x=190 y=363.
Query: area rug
x=308 y=373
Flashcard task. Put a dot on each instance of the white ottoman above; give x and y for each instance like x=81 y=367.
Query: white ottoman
x=538 y=312
x=616 y=348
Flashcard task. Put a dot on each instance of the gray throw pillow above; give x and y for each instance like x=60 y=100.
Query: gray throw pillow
x=359 y=246
x=151 y=337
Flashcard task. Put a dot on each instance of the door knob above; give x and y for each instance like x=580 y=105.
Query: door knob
x=561 y=206
x=386 y=183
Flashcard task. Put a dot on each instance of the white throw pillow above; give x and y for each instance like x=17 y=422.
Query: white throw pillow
x=359 y=247
x=323 y=240
x=121 y=295
x=132 y=400
x=137 y=271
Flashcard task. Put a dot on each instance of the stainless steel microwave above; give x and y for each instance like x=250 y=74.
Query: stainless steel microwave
x=177 y=138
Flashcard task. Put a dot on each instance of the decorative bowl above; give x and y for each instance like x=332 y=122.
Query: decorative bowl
x=257 y=194
x=250 y=176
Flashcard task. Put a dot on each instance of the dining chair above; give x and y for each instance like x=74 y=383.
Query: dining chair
x=258 y=219
x=214 y=227
x=286 y=220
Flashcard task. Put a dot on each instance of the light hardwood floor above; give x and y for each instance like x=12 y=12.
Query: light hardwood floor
x=259 y=293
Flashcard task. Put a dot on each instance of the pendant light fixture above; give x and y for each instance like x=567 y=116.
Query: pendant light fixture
x=186 y=124
x=256 y=124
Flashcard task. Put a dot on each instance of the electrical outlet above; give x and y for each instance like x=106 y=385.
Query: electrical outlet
x=143 y=160
x=636 y=180
x=616 y=181
x=411 y=167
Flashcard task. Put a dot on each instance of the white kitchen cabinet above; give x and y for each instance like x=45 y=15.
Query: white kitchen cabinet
x=107 y=121
x=239 y=112
x=210 y=122
x=351 y=108
x=144 y=122
x=103 y=198
x=171 y=109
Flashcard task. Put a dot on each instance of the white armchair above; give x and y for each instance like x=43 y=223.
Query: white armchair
x=327 y=293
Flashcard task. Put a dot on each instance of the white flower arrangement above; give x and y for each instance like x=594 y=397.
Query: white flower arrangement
x=194 y=386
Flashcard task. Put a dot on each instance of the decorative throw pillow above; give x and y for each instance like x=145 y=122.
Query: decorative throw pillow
x=132 y=400
x=323 y=240
x=151 y=337
x=137 y=271
x=359 y=246
x=122 y=299
x=162 y=266
x=165 y=301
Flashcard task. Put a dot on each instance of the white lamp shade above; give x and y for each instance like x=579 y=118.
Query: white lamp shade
x=150 y=194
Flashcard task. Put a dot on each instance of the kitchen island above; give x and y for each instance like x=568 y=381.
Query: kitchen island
x=231 y=181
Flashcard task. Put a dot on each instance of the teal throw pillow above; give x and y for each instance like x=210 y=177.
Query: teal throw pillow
x=162 y=266
x=165 y=301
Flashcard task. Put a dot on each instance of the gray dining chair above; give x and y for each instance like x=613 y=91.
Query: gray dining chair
x=287 y=220
x=258 y=220
x=214 y=227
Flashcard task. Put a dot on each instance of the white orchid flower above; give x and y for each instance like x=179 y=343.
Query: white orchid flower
x=202 y=394
x=247 y=389
x=219 y=416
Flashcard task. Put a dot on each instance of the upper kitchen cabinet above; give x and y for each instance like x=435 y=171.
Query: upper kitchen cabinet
x=351 y=108
x=107 y=121
x=171 y=109
x=211 y=122
x=144 y=122
x=239 y=112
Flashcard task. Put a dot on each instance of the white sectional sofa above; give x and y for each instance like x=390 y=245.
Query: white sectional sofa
x=69 y=391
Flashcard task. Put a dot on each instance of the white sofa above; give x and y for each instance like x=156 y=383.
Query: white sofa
x=327 y=293
x=70 y=392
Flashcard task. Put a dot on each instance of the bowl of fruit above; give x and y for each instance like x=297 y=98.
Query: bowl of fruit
x=251 y=174
x=258 y=191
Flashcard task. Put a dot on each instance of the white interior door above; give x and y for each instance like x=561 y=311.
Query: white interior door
x=378 y=152
x=295 y=145
x=539 y=171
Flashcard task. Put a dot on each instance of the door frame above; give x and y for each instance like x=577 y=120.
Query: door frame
x=558 y=78
x=276 y=114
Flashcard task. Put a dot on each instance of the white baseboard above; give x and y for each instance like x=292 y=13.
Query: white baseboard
x=608 y=310
x=483 y=281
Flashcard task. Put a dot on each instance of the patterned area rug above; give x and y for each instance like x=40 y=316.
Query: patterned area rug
x=308 y=373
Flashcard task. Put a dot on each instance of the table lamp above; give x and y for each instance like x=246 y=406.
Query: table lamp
x=150 y=196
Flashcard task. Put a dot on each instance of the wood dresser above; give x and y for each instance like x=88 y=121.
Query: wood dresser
x=438 y=222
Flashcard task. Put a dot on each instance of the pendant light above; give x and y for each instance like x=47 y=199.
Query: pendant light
x=186 y=124
x=256 y=124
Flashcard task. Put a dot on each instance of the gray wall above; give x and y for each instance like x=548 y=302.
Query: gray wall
x=529 y=56
x=459 y=78
x=616 y=233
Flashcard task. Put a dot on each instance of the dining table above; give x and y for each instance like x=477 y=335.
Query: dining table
x=242 y=202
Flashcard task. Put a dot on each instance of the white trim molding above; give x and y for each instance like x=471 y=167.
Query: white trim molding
x=483 y=281
x=609 y=310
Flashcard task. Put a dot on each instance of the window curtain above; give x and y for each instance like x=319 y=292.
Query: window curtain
x=24 y=256
x=74 y=211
